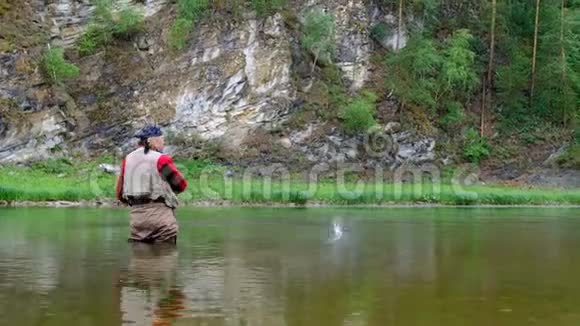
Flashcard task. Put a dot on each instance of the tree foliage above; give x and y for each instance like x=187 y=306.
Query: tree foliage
x=434 y=75
x=531 y=68
x=107 y=24
x=475 y=148
x=191 y=11
x=358 y=115
x=56 y=67
x=318 y=36
x=179 y=33
x=556 y=97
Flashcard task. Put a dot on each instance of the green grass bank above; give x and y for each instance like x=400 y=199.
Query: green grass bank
x=62 y=181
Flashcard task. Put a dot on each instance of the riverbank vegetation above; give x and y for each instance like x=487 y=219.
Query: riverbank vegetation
x=60 y=180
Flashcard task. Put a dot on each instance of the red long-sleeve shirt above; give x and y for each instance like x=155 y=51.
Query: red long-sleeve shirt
x=166 y=168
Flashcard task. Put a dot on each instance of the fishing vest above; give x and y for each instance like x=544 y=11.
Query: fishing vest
x=142 y=179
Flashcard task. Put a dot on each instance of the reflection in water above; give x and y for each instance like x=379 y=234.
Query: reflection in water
x=336 y=231
x=149 y=293
x=413 y=267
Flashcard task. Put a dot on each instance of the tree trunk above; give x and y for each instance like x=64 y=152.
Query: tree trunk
x=563 y=55
x=535 y=50
x=314 y=63
x=483 y=104
x=487 y=90
x=400 y=27
x=492 y=42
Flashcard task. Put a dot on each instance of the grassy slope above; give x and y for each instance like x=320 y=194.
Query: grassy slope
x=53 y=181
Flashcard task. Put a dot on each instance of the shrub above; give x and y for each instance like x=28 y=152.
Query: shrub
x=94 y=38
x=266 y=7
x=434 y=76
x=192 y=9
x=299 y=198
x=179 y=33
x=358 y=115
x=571 y=159
x=454 y=116
x=188 y=12
x=379 y=32
x=414 y=73
x=458 y=70
x=476 y=148
x=129 y=22
x=56 y=67
x=318 y=36
x=104 y=26
x=103 y=13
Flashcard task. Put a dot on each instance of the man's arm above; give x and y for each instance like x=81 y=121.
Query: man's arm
x=171 y=174
x=120 y=180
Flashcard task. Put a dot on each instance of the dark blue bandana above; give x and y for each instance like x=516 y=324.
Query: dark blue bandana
x=149 y=131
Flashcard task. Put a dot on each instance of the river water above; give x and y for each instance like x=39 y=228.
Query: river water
x=311 y=267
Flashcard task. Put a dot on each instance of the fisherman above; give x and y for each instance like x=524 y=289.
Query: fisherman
x=148 y=183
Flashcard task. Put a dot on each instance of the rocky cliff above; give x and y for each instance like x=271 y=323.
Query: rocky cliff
x=238 y=80
x=237 y=85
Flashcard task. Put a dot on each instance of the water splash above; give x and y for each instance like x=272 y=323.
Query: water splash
x=336 y=231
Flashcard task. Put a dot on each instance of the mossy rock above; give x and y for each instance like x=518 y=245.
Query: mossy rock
x=16 y=28
x=571 y=159
x=416 y=117
x=7 y=105
x=318 y=95
x=11 y=113
x=6 y=46
x=104 y=113
x=4 y=7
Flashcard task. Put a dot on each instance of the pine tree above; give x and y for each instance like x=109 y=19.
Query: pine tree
x=400 y=26
x=489 y=80
x=535 y=49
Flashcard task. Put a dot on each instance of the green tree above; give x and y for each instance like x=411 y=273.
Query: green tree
x=458 y=69
x=129 y=22
x=179 y=33
x=414 y=72
x=106 y=24
x=487 y=96
x=558 y=75
x=56 y=67
x=535 y=49
x=358 y=115
x=319 y=36
x=512 y=82
x=431 y=75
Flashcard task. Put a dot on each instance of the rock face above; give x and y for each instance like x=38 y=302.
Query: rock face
x=31 y=114
x=241 y=77
x=38 y=141
x=390 y=37
x=234 y=77
x=353 y=42
x=68 y=18
x=377 y=148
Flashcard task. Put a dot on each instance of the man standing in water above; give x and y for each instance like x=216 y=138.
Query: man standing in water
x=148 y=183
